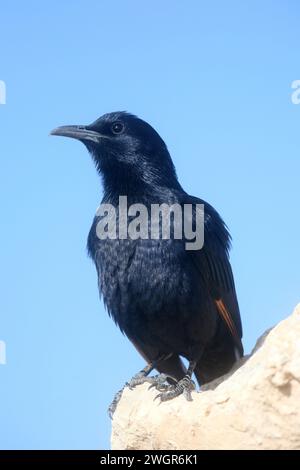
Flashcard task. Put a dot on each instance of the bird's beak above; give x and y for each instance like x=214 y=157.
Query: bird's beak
x=82 y=133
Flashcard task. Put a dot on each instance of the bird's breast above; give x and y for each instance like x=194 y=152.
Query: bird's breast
x=142 y=277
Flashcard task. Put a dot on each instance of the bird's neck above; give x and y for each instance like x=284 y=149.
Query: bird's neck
x=140 y=192
x=148 y=186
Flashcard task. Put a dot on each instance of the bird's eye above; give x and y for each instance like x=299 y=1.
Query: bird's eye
x=117 y=127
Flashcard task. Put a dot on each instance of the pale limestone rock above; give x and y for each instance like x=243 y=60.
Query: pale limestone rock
x=256 y=407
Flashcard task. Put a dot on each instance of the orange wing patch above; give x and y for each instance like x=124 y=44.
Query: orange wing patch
x=228 y=320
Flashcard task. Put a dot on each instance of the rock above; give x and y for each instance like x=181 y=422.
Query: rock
x=255 y=407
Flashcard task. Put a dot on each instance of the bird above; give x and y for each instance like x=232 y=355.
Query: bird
x=172 y=303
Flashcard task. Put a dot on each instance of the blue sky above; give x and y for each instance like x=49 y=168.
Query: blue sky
x=214 y=79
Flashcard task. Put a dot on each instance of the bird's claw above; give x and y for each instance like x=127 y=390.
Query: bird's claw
x=137 y=379
x=184 y=387
x=161 y=387
x=157 y=381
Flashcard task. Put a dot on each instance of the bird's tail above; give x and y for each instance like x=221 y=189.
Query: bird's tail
x=215 y=363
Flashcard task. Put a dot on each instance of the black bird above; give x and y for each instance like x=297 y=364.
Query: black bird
x=169 y=301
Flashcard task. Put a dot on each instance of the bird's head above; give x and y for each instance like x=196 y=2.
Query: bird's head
x=127 y=151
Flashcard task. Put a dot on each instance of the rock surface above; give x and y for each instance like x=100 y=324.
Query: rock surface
x=255 y=407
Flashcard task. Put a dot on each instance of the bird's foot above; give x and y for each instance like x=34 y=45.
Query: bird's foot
x=113 y=406
x=184 y=387
x=160 y=382
x=140 y=378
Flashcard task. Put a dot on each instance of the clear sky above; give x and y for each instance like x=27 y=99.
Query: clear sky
x=214 y=78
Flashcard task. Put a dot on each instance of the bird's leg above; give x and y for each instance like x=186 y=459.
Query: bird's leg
x=184 y=386
x=138 y=379
x=141 y=377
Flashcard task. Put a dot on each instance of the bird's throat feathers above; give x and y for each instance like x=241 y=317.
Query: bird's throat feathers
x=136 y=174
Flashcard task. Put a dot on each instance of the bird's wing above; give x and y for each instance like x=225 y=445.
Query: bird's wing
x=213 y=264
